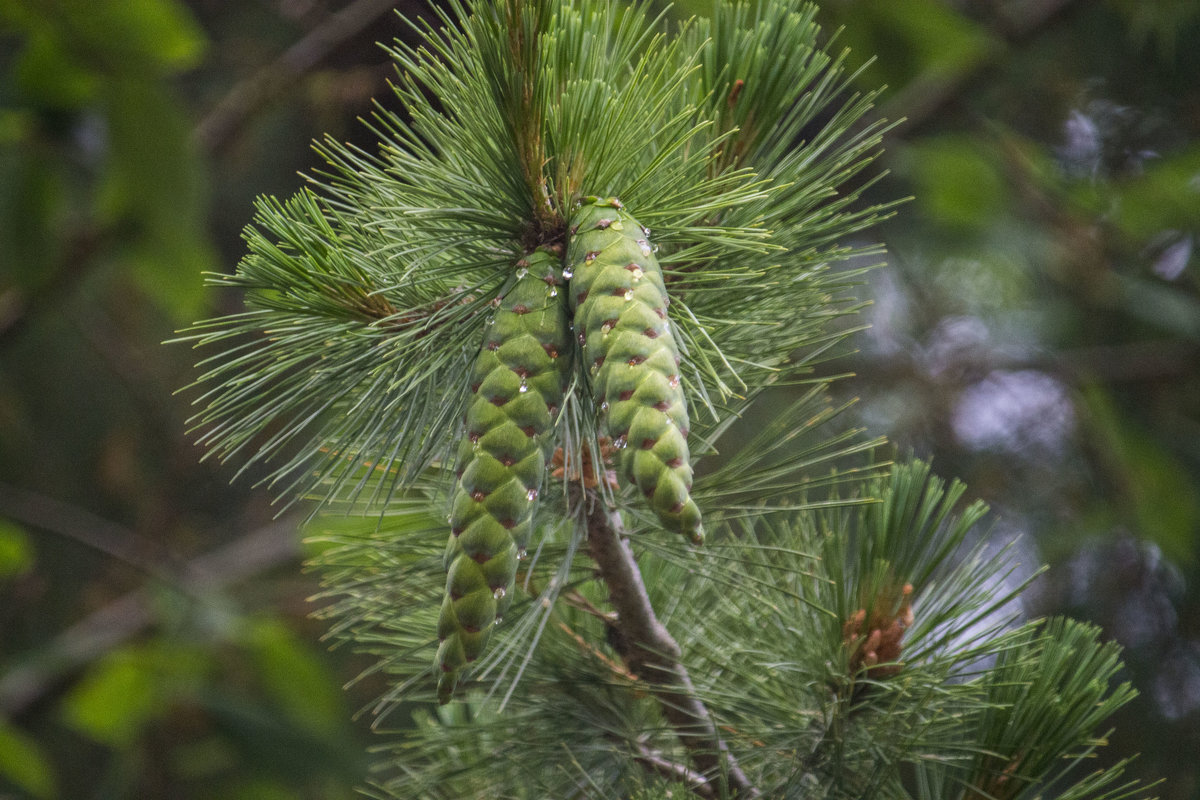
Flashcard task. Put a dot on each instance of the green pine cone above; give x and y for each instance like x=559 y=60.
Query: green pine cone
x=620 y=304
x=517 y=383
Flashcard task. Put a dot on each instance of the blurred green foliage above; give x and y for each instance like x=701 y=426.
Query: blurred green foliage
x=1037 y=331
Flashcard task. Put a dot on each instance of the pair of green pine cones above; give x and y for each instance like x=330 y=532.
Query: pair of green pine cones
x=611 y=287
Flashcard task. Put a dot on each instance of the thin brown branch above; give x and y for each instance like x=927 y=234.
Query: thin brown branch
x=596 y=653
x=222 y=123
x=663 y=766
x=18 y=306
x=121 y=620
x=71 y=522
x=650 y=652
x=930 y=92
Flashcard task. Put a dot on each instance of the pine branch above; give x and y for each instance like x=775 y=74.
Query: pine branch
x=649 y=650
x=659 y=765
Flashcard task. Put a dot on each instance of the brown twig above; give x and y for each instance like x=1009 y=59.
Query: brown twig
x=928 y=93
x=650 y=652
x=54 y=516
x=219 y=126
x=596 y=653
x=118 y=622
x=671 y=770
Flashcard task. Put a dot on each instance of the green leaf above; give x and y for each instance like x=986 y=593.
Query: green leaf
x=115 y=700
x=48 y=73
x=1157 y=489
x=161 y=33
x=1166 y=196
x=924 y=39
x=24 y=764
x=957 y=183
x=258 y=789
x=154 y=184
x=16 y=551
x=127 y=689
x=295 y=678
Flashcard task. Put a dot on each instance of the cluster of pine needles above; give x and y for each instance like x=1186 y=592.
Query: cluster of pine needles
x=847 y=626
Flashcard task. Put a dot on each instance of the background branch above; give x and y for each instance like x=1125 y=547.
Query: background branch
x=24 y=685
x=220 y=125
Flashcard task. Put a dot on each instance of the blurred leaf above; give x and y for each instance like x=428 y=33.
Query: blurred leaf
x=16 y=553
x=1161 y=305
x=155 y=182
x=23 y=763
x=258 y=789
x=1165 y=502
x=297 y=680
x=48 y=74
x=113 y=35
x=958 y=183
x=157 y=32
x=1166 y=196
x=115 y=700
x=923 y=39
x=279 y=746
x=31 y=209
x=129 y=688
x=1162 y=20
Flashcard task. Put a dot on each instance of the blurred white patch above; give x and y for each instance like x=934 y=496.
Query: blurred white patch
x=1083 y=145
x=956 y=341
x=1177 y=686
x=1173 y=259
x=1014 y=411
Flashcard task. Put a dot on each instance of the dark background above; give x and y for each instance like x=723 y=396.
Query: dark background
x=1036 y=332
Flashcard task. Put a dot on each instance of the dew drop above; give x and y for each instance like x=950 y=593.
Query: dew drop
x=582 y=338
x=604 y=407
x=553 y=292
x=645 y=231
x=522 y=554
x=628 y=295
x=491 y=320
x=645 y=247
x=568 y=273
x=618 y=226
x=637 y=273
x=655 y=248
x=619 y=443
x=498 y=620
x=499 y=595
x=522 y=272
x=524 y=387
